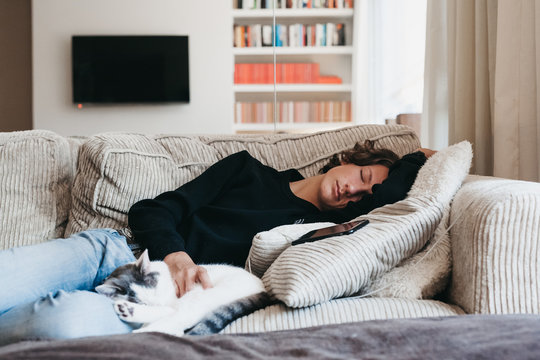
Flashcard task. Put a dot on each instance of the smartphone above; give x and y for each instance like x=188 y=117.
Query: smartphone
x=334 y=230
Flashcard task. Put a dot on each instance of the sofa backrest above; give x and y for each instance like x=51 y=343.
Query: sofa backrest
x=36 y=174
x=116 y=170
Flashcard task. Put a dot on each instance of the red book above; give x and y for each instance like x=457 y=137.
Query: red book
x=307 y=73
x=298 y=73
x=289 y=73
x=257 y=74
x=329 y=80
x=279 y=74
x=247 y=73
x=268 y=73
x=315 y=72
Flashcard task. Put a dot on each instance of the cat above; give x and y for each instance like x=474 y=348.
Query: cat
x=144 y=292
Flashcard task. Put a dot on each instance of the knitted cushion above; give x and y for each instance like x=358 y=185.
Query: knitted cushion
x=310 y=273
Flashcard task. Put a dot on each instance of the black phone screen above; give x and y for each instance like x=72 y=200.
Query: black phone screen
x=334 y=230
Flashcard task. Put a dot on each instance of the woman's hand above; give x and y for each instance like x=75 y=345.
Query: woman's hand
x=427 y=152
x=186 y=273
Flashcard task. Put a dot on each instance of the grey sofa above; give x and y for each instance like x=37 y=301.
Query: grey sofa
x=52 y=186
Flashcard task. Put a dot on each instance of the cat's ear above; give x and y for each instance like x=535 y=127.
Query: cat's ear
x=143 y=262
x=108 y=290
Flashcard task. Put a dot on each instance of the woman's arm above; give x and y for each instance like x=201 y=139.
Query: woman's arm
x=154 y=222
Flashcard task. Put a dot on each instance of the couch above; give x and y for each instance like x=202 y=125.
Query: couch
x=52 y=186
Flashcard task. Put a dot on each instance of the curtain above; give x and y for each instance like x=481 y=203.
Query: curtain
x=482 y=74
x=390 y=42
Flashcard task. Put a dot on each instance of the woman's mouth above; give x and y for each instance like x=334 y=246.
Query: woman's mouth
x=338 y=195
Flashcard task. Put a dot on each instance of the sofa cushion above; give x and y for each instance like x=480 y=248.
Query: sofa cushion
x=495 y=246
x=36 y=174
x=309 y=152
x=116 y=170
x=280 y=317
x=312 y=273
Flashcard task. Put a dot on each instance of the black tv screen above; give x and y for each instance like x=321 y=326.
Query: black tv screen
x=130 y=69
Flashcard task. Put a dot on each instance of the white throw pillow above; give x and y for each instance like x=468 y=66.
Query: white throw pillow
x=311 y=273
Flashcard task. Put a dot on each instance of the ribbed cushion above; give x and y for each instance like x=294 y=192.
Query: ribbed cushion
x=279 y=317
x=36 y=174
x=312 y=273
x=496 y=247
x=309 y=152
x=116 y=170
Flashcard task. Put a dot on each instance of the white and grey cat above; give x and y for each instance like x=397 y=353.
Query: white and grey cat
x=144 y=292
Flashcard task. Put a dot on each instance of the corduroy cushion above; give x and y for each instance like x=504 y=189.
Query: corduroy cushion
x=117 y=170
x=36 y=174
x=495 y=246
x=280 y=317
x=311 y=273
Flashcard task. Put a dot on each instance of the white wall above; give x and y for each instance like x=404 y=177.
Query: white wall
x=209 y=26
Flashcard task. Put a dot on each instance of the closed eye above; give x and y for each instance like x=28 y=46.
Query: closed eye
x=362 y=175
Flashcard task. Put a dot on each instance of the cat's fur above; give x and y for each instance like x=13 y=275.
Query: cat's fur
x=144 y=292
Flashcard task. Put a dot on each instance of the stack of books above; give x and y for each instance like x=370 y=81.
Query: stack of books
x=294 y=35
x=286 y=73
x=293 y=112
x=292 y=4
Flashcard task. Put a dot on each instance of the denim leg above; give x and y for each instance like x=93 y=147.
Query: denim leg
x=80 y=262
x=62 y=316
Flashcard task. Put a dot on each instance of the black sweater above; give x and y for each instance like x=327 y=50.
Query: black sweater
x=215 y=216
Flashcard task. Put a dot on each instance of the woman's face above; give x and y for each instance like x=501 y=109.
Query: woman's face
x=348 y=182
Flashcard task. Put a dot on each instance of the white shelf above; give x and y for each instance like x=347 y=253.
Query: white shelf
x=292 y=13
x=281 y=88
x=333 y=61
x=314 y=50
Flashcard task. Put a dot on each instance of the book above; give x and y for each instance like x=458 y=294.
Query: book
x=267 y=35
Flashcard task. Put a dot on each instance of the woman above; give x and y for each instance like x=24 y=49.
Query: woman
x=211 y=219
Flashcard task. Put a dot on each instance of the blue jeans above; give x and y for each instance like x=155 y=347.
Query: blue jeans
x=48 y=289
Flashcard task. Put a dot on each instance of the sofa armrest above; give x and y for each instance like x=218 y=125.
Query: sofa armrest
x=495 y=246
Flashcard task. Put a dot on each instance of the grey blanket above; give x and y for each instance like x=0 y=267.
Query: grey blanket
x=458 y=337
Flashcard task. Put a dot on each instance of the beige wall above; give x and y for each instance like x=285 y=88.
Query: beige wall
x=15 y=65
x=209 y=27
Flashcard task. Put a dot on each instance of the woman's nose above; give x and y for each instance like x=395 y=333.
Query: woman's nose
x=352 y=190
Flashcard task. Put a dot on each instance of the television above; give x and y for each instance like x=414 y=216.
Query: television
x=130 y=69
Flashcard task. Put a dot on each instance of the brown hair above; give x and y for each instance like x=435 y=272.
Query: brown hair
x=362 y=155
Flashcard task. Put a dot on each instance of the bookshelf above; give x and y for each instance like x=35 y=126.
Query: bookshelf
x=320 y=102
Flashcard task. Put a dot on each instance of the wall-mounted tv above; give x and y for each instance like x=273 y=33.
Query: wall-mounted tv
x=130 y=69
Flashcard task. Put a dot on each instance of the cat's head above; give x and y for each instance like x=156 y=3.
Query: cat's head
x=143 y=281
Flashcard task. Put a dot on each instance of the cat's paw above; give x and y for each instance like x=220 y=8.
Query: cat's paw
x=124 y=309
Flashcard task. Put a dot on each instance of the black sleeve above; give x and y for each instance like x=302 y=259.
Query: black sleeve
x=154 y=221
x=400 y=179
